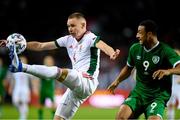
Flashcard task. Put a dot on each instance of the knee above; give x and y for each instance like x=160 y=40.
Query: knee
x=154 y=117
x=125 y=112
x=121 y=116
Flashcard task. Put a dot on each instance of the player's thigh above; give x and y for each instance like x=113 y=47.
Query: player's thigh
x=155 y=109
x=135 y=104
x=72 y=79
x=81 y=86
x=68 y=105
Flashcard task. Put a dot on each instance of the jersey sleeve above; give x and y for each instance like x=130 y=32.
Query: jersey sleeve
x=172 y=56
x=61 y=42
x=130 y=60
x=94 y=39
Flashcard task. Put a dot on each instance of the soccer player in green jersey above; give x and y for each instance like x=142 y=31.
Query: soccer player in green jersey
x=155 y=63
x=3 y=72
x=47 y=89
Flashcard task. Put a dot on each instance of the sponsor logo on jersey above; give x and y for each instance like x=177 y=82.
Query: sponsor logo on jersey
x=70 y=46
x=155 y=59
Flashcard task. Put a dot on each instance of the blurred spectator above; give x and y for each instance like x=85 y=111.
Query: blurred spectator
x=174 y=102
x=20 y=91
x=47 y=90
x=3 y=72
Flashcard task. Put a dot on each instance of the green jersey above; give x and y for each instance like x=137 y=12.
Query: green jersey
x=3 y=71
x=47 y=90
x=146 y=62
x=47 y=86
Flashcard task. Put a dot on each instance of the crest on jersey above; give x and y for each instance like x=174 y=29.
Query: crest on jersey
x=155 y=59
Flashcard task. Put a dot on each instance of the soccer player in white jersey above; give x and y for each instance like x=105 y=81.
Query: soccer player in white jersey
x=174 y=102
x=83 y=48
x=20 y=90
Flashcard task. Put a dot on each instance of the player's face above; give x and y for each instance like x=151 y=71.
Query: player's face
x=75 y=27
x=24 y=59
x=49 y=61
x=141 y=35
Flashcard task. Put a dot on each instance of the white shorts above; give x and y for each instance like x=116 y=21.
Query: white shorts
x=20 y=97
x=175 y=96
x=174 y=99
x=80 y=87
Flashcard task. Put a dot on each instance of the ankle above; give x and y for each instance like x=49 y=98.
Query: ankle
x=24 y=67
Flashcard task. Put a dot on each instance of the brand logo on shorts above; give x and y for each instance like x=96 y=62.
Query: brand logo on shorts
x=128 y=99
x=155 y=59
x=138 y=57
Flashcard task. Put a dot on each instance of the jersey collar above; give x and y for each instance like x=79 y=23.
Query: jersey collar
x=152 y=47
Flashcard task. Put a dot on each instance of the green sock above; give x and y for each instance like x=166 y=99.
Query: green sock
x=53 y=112
x=40 y=114
x=0 y=111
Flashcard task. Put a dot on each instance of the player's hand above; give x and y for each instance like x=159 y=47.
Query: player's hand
x=159 y=74
x=112 y=87
x=3 y=43
x=115 y=54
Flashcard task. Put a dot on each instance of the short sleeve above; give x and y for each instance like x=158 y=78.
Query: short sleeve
x=96 y=40
x=130 y=60
x=172 y=56
x=62 y=41
x=93 y=39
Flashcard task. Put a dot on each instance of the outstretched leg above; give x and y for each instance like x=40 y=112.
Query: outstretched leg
x=68 y=77
x=41 y=71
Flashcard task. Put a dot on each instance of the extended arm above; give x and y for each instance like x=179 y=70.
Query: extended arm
x=34 y=45
x=125 y=72
x=40 y=46
x=161 y=73
x=108 y=50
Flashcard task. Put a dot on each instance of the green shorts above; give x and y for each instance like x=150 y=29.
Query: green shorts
x=44 y=96
x=138 y=106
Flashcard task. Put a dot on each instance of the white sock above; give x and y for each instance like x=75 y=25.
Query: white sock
x=42 y=71
x=23 y=109
x=170 y=113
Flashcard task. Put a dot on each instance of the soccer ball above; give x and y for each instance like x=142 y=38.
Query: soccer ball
x=18 y=40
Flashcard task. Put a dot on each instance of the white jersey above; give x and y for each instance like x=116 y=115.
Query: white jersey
x=83 y=54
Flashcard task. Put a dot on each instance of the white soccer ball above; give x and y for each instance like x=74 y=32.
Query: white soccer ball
x=18 y=40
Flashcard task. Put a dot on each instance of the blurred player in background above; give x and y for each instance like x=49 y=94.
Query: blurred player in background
x=3 y=72
x=83 y=48
x=20 y=90
x=174 y=102
x=155 y=63
x=47 y=87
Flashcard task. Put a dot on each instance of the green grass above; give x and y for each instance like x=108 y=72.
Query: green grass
x=84 y=113
x=90 y=113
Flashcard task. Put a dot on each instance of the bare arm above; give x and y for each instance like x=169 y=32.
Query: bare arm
x=3 y=43
x=108 y=49
x=125 y=72
x=40 y=46
x=161 y=73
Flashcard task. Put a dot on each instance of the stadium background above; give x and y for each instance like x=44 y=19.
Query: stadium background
x=115 y=21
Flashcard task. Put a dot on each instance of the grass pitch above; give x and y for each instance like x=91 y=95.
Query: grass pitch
x=84 y=113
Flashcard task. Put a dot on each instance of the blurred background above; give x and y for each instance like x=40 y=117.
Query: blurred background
x=114 y=21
